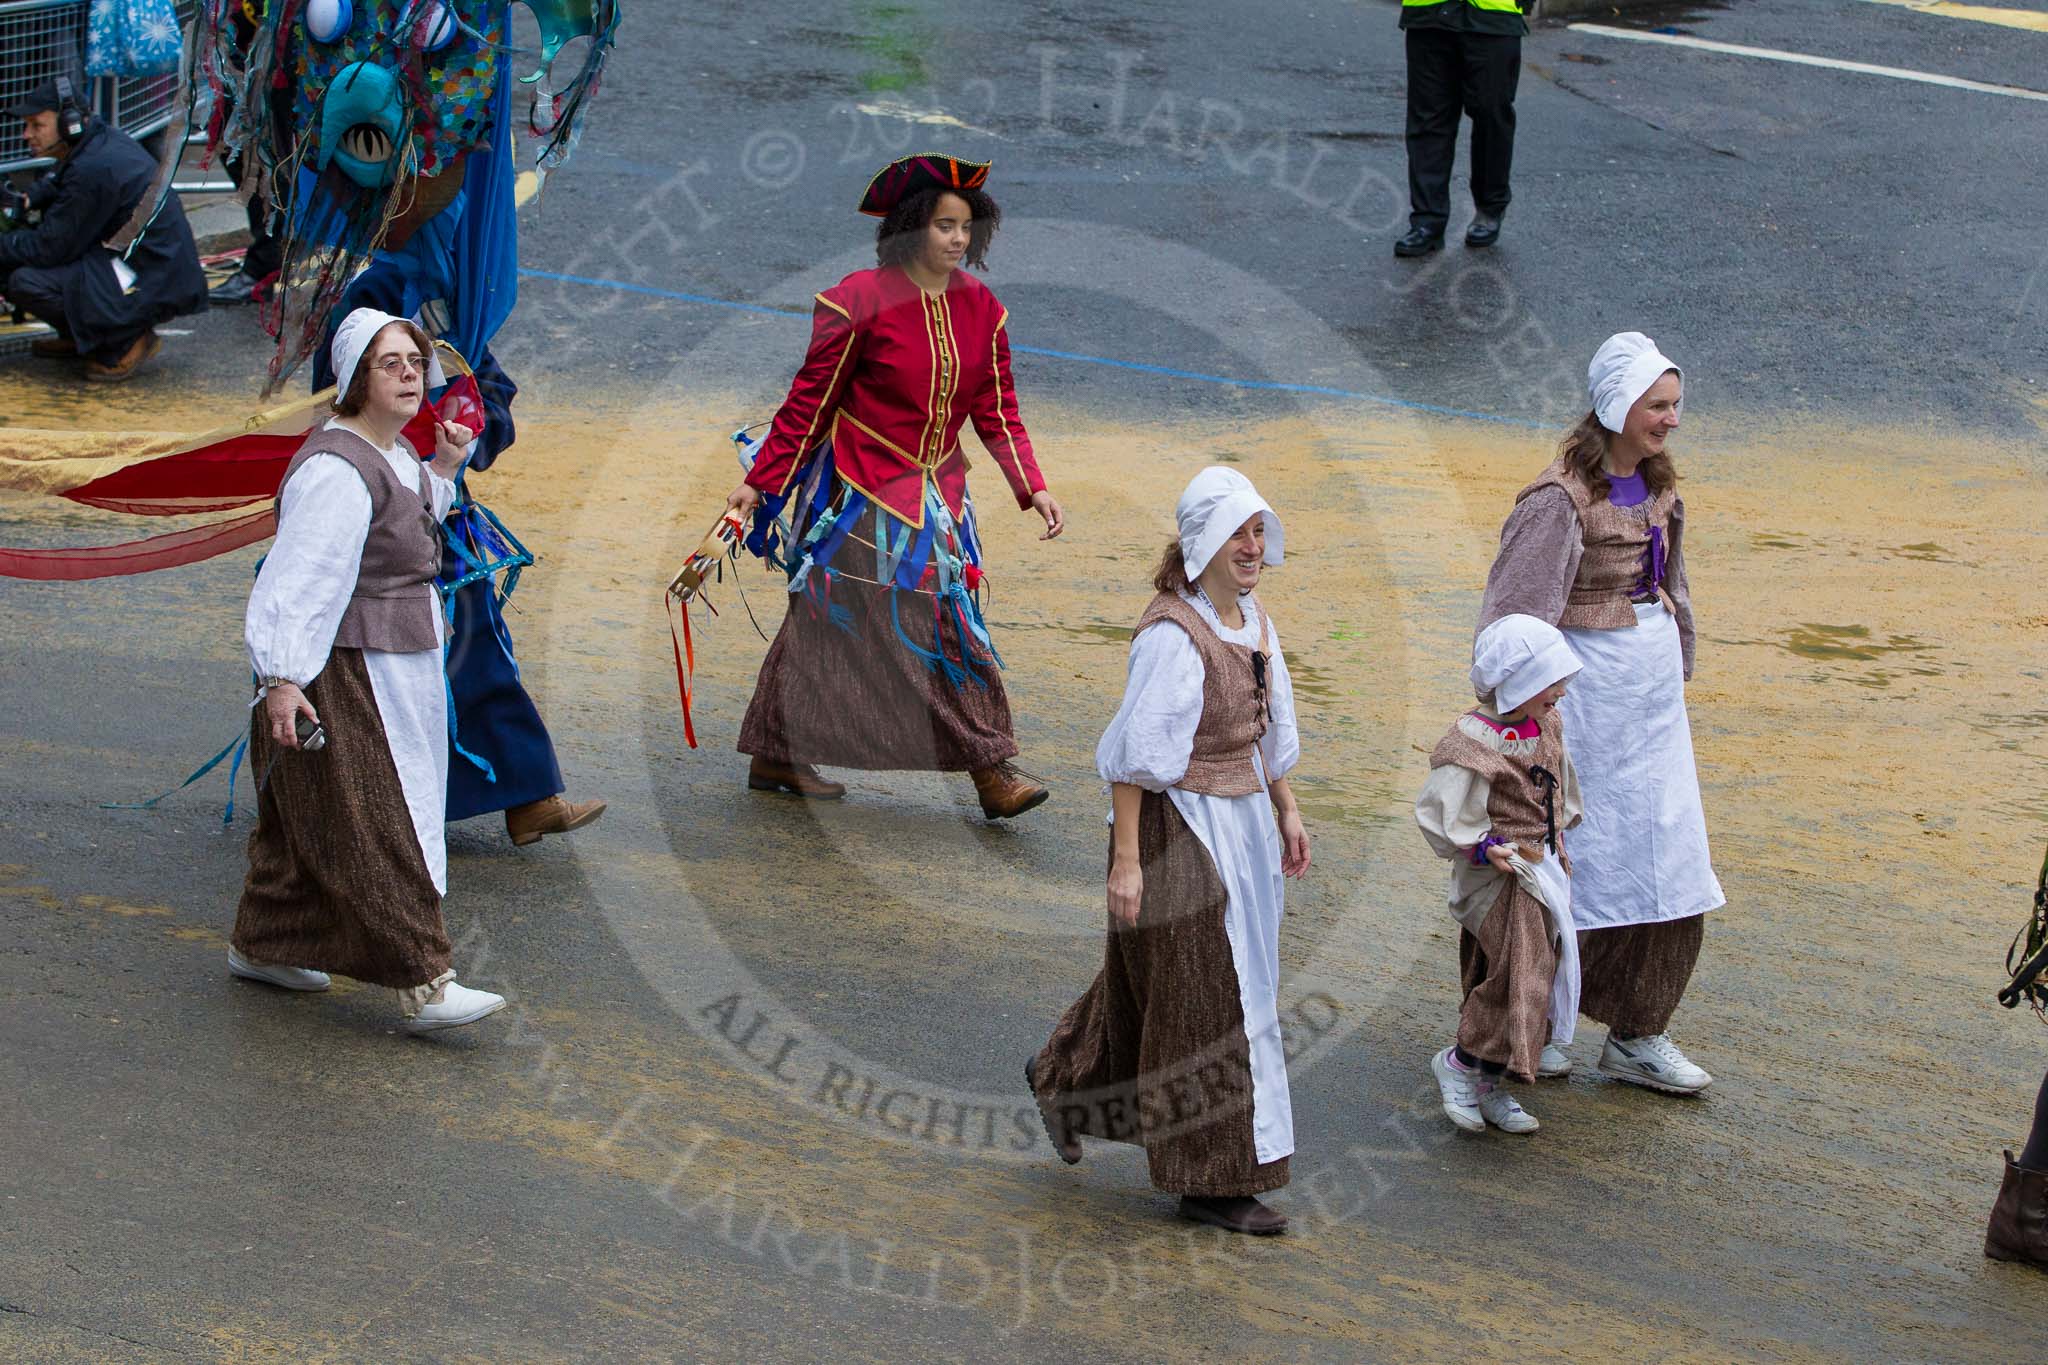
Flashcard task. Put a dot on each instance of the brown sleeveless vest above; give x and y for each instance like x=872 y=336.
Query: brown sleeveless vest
x=1617 y=544
x=393 y=606
x=1514 y=802
x=1233 y=711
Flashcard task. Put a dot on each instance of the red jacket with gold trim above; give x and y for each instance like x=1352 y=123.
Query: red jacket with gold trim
x=892 y=374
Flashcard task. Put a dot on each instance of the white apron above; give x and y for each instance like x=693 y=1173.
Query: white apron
x=1147 y=744
x=1547 y=882
x=1640 y=855
x=1243 y=840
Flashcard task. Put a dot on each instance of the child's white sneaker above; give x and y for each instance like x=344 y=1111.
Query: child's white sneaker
x=1498 y=1108
x=1460 y=1090
x=1554 y=1062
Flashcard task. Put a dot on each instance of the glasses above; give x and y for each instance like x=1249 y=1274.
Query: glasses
x=392 y=366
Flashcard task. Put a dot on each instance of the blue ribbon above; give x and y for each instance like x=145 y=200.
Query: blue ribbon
x=236 y=746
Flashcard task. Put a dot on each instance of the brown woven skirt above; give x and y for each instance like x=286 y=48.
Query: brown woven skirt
x=1633 y=975
x=1507 y=968
x=336 y=879
x=852 y=696
x=1155 y=1052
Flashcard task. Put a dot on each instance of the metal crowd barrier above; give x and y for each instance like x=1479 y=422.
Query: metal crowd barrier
x=42 y=39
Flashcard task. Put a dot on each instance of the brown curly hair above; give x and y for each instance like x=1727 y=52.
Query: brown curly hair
x=1172 y=573
x=899 y=235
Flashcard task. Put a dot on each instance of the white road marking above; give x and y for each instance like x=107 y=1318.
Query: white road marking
x=1772 y=54
x=935 y=118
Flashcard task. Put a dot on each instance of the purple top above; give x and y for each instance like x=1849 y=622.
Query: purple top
x=1632 y=491
x=1627 y=492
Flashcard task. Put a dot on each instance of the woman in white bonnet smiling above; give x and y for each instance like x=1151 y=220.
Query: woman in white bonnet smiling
x=1595 y=546
x=1176 y=1046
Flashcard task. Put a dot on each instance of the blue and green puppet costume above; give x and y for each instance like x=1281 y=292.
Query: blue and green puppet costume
x=398 y=158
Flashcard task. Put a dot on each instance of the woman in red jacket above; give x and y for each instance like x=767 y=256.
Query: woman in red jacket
x=883 y=660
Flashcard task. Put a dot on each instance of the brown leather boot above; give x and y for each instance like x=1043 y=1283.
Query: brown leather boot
x=1005 y=792
x=550 y=816
x=799 y=778
x=59 y=347
x=2019 y=1220
x=1234 y=1213
x=139 y=352
x=1063 y=1141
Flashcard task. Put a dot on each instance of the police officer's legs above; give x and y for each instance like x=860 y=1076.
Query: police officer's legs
x=40 y=294
x=1435 y=98
x=1492 y=69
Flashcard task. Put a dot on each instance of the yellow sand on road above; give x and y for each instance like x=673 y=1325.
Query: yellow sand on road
x=1869 y=712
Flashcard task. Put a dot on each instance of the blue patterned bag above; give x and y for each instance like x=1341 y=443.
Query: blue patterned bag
x=133 y=38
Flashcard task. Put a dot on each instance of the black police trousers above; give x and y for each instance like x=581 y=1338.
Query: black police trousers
x=1452 y=73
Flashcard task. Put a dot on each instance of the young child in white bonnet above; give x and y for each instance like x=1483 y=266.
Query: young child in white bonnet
x=1501 y=793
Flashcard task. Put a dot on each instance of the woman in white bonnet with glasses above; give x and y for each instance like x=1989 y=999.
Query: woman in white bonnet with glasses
x=1595 y=546
x=1176 y=1046
x=348 y=863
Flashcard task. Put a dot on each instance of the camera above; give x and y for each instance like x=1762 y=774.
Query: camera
x=13 y=206
x=312 y=735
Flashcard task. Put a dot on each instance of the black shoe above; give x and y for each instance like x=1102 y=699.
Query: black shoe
x=1241 y=1213
x=239 y=287
x=1419 y=243
x=1485 y=230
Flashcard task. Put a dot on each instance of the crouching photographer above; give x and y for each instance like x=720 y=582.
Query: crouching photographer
x=105 y=307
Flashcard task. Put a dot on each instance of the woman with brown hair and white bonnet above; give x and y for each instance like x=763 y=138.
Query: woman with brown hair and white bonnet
x=1176 y=1046
x=1595 y=546
x=348 y=863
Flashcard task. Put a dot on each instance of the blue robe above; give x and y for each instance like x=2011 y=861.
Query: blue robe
x=495 y=719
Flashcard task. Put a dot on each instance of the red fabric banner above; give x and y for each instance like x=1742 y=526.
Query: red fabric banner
x=228 y=472
x=238 y=470
x=166 y=551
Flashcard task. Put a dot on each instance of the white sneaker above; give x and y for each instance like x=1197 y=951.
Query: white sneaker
x=1654 y=1062
x=455 y=1006
x=1460 y=1090
x=1498 y=1108
x=291 y=978
x=1554 y=1062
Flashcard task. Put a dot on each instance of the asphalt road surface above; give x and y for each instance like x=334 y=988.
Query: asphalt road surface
x=758 y=1095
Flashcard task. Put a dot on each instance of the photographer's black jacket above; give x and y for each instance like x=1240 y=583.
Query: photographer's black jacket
x=85 y=200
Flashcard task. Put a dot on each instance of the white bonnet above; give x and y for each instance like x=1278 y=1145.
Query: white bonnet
x=1218 y=501
x=1518 y=656
x=1623 y=369
x=354 y=336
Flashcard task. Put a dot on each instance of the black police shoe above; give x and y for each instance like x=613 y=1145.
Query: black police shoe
x=1419 y=243
x=1485 y=230
x=239 y=287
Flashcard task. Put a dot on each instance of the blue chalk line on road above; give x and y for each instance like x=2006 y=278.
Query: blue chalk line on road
x=1135 y=366
x=1772 y=54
